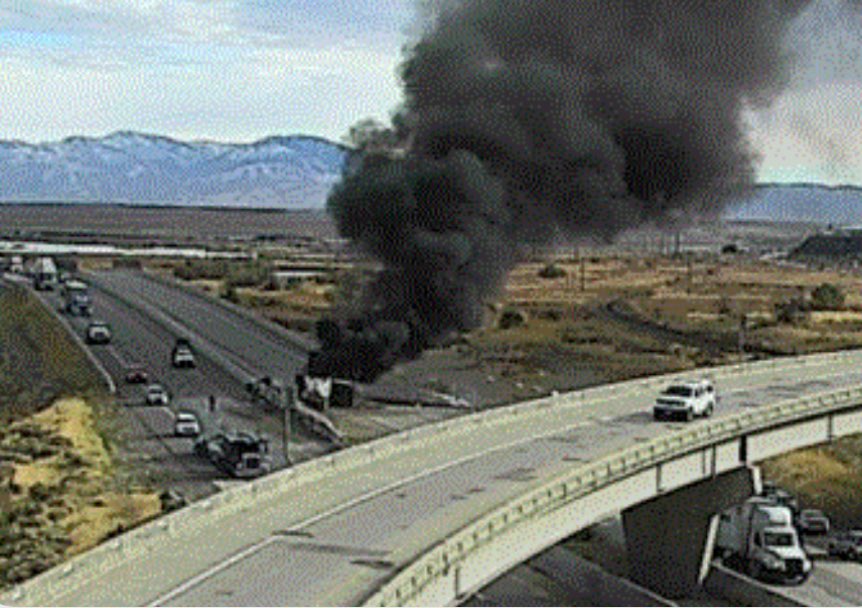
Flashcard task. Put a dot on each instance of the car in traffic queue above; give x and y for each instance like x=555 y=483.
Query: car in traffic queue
x=182 y=354
x=812 y=521
x=137 y=375
x=686 y=400
x=846 y=544
x=186 y=424
x=98 y=332
x=157 y=395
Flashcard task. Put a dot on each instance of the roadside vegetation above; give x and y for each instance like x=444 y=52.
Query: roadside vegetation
x=60 y=491
x=566 y=322
x=39 y=362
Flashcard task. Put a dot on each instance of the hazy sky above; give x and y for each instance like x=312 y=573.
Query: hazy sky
x=239 y=70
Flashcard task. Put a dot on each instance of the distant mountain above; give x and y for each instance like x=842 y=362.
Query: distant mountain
x=127 y=167
x=293 y=172
x=840 y=205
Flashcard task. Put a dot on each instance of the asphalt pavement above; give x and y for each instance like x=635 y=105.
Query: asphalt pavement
x=341 y=537
x=142 y=338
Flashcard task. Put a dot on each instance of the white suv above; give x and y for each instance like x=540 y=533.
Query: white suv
x=686 y=400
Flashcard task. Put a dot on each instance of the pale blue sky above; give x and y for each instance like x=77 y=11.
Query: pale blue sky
x=239 y=70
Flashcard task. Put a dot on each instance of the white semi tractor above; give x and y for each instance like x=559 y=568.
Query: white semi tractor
x=76 y=298
x=758 y=537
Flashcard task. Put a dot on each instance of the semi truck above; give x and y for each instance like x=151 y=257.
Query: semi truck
x=240 y=454
x=76 y=298
x=44 y=274
x=758 y=538
x=271 y=393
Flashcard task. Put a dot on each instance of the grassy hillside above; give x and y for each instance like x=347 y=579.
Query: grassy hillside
x=59 y=489
x=39 y=362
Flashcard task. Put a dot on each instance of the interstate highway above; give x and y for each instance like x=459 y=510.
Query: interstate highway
x=336 y=540
x=141 y=339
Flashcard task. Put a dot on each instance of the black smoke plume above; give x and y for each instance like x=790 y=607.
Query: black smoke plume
x=527 y=120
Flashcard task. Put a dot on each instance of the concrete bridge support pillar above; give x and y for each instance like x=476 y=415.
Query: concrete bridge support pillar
x=669 y=539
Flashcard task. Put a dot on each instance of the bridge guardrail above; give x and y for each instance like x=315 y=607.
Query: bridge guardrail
x=92 y=564
x=591 y=477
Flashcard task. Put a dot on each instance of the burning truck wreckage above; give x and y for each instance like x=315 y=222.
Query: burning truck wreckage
x=534 y=122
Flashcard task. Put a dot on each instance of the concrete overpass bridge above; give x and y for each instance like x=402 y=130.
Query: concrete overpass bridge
x=429 y=515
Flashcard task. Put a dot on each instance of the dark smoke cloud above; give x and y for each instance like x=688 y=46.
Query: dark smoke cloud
x=527 y=119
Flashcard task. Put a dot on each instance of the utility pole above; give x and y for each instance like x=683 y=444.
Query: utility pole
x=583 y=271
x=286 y=407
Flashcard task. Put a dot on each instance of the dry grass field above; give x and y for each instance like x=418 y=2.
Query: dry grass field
x=60 y=491
x=58 y=495
x=142 y=224
x=613 y=317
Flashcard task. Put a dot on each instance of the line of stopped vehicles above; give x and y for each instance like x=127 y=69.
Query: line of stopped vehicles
x=760 y=537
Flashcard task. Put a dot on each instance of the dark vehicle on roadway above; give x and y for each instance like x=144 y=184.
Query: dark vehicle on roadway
x=846 y=544
x=812 y=521
x=239 y=454
x=182 y=354
x=137 y=375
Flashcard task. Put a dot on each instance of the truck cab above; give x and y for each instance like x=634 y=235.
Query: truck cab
x=76 y=298
x=758 y=537
x=240 y=454
x=778 y=555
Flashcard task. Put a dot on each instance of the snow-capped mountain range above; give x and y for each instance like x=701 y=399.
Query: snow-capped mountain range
x=293 y=172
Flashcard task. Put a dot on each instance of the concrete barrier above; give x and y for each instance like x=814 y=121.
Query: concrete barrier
x=740 y=590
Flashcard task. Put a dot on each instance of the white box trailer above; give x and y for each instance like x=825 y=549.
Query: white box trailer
x=44 y=274
x=758 y=536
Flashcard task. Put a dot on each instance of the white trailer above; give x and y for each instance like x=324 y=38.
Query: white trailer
x=44 y=274
x=758 y=536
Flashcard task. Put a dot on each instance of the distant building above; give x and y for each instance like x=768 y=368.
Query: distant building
x=282 y=279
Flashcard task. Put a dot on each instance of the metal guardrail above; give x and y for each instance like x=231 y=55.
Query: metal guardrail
x=595 y=476
x=92 y=564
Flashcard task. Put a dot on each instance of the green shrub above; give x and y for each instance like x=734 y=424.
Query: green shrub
x=552 y=271
x=827 y=297
x=512 y=317
x=791 y=311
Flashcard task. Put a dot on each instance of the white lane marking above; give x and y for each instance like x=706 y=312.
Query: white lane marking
x=425 y=473
x=116 y=354
x=372 y=495
x=192 y=582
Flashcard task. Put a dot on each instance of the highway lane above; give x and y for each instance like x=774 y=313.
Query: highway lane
x=140 y=340
x=343 y=537
x=833 y=583
x=208 y=378
x=147 y=436
x=247 y=344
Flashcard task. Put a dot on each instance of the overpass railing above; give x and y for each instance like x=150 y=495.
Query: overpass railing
x=207 y=512
x=562 y=491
